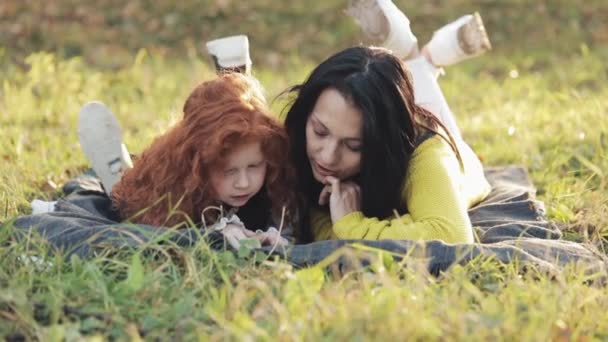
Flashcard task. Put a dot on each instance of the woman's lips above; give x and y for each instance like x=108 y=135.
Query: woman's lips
x=323 y=171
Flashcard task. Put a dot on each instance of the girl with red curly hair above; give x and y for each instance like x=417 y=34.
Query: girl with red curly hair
x=228 y=153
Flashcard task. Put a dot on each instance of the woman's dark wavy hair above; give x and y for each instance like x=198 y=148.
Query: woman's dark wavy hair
x=379 y=85
x=169 y=183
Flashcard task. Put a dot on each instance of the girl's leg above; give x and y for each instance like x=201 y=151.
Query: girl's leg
x=101 y=141
x=428 y=94
x=230 y=54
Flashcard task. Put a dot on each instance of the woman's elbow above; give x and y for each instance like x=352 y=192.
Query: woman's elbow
x=452 y=233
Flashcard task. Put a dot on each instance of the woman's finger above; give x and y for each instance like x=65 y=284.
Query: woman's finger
x=324 y=196
x=345 y=198
x=335 y=184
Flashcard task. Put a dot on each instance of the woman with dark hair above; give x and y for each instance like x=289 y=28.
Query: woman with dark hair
x=371 y=163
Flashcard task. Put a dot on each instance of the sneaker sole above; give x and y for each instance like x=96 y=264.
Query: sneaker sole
x=384 y=23
x=101 y=141
x=230 y=54
x=473 y=38
x=359 y=10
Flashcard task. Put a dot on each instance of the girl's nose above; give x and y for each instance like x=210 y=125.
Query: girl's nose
x=242 y=181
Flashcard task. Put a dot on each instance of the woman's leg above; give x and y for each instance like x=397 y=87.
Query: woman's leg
x=388 y=26
x=462 y=39
x=428 y=94
x=457 y=41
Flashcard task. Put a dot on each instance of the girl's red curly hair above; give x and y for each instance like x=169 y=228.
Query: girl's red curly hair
x=169 y=183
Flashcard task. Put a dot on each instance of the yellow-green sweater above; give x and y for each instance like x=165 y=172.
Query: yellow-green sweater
x=438 y=191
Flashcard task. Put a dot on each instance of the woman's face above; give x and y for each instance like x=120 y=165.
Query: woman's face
x=333 y=137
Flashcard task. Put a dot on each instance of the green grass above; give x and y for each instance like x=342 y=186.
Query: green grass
x=545 y=111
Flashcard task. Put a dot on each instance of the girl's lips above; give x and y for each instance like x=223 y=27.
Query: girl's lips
x=240 y=198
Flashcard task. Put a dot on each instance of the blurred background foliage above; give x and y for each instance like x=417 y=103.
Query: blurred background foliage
x=107 y=33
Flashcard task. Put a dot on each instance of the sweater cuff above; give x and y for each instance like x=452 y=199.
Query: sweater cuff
x=346 y=223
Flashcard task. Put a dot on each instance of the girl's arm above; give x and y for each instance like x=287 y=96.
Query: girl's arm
x=277 y=230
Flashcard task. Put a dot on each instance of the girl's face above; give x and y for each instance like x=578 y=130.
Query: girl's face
x=333 y=137
x=242 y=175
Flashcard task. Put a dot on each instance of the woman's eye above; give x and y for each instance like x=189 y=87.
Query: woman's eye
x=354 y=148
x=256 y=165
x=230 y=172
x=320 y=133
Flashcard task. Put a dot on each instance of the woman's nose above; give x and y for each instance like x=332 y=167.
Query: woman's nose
x=329 y=153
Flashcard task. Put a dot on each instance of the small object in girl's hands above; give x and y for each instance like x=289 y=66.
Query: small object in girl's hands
x=271 y=237
x=229 y=218
x=235 y=234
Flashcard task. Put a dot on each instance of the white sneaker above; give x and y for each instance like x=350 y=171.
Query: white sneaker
x=230 y=53
x=462 y=39
x=101 y=141
x=386 y=24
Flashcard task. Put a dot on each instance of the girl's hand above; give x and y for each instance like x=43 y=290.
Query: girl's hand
x=271 y=237
x=344 y=198
x=234 y=233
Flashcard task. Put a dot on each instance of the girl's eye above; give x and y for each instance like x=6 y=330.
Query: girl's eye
x=230 y=172
x=256 y=165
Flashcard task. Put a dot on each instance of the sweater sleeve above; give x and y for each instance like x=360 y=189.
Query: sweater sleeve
x=437 y=208
x=321 y=225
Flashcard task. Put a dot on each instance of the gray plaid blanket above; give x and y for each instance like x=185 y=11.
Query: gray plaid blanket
x=510 y=225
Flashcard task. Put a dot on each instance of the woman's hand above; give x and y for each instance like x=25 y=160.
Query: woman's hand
x=343 y=197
